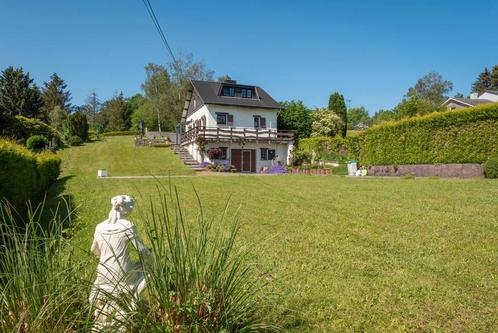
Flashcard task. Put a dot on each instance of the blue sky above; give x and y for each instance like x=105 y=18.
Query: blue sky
x=371 y=51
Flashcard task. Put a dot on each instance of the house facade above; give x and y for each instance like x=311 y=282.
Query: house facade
x=230 y=123
x=454 y=103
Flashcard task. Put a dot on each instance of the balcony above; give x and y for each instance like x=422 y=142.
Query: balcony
x=217 y=134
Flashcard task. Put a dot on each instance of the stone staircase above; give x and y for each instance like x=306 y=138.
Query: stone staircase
x=186 y=158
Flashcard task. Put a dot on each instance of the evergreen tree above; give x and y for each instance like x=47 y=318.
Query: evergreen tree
x=117 y=114
x=57 y=118
x=18 y=94
x=55 y=94
x=483 y=82
x=338 y=106
x=91 y=109
x=494 y=78
x=78 y=125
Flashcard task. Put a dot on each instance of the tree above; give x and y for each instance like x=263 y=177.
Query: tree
x=432 y=89
x=325 y=123
x=338 y=106
x=117 y=114
x=18 y=94
x=494 y=78
x=157 y=88
x=91 y=109
x=413 y=106
x=382 y=116
x=57 y=118
x=224 y=78
x=55 y=93
x=358 y=118
x=78 y=126
x=295 y=116
x=483 y=82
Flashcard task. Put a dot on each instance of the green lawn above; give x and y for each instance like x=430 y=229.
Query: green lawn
x=343 y=254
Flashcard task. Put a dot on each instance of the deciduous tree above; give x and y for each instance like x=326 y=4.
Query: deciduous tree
x=358 y=118
x=325 y=123
x=432 y=89
x=295 y=116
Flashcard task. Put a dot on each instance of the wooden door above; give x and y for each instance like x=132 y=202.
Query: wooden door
x=236 y=159
x=246 y=161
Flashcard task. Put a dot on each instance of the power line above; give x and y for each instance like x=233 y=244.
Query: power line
x=153 y=17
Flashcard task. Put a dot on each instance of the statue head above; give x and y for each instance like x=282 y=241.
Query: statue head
x=122 y=206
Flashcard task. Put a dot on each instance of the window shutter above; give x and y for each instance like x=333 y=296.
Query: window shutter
x=230 y=119
x=262 y=122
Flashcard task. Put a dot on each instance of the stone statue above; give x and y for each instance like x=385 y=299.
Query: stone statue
x=116 y=273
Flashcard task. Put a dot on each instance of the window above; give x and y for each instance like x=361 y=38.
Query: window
x=259 y=122
x=271 y=154
x=264 y=154
x=221 y=118
x=267 y=154
x=228 y=91
x=237 y=92
x=223 y=153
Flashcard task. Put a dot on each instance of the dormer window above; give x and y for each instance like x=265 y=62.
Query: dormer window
x=228 y=91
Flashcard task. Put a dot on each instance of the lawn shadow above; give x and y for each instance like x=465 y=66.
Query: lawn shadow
x=58 y=206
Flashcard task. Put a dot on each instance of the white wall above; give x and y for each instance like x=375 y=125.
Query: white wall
x=491 y=97
x=282 y=151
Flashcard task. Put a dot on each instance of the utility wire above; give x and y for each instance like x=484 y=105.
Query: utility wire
x=153 y=16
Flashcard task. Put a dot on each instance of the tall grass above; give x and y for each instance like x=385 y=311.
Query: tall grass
x=41 y=285
x=198 y=278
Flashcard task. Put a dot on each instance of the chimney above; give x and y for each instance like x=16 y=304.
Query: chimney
x=474 y=96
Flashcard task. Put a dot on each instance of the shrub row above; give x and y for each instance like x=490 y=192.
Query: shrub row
x=119 y=133
x=25 y=175
x=461 y=136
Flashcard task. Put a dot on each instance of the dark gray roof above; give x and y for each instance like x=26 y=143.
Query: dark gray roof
x=210 y=94
x=469 y=101
x=494 y=92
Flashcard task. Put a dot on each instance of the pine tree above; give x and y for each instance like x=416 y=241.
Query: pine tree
x=117 y=114
x=338 y=106
x=18 y=94
x=483 y=82
x=494 y=77
x=55 y=94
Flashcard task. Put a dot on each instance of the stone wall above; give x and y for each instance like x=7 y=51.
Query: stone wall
x=425 y=170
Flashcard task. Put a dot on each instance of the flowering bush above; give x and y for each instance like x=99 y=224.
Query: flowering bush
x=214 y=153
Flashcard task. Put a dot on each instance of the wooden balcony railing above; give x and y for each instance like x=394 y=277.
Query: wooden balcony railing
x=237 y=134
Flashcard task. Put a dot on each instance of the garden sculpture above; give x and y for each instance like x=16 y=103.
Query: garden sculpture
x=117 y=275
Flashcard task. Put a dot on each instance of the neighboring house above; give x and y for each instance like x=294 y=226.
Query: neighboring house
x=230 y=123
x=490 y=96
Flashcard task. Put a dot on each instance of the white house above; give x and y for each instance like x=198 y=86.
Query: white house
x=226 y=122
x=454 y=103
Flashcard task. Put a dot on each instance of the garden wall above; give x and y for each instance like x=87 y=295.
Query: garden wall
x=426 y=170
x=25 y=175
x=459 y=136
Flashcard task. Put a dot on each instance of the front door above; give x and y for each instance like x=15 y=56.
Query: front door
x=246 y=161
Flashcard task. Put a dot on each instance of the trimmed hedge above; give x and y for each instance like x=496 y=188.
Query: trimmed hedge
x=25 y=175
x=36 y=142
x=119 y=133
x=491 y=167
x=459 y=136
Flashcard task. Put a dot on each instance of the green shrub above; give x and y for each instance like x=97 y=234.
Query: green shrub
x=36 y=142
x=491 y=167
x=119 y=133
x=78 y=125
x=22 y=128
x=74 y=140
x=24 y=175
x=461 y=136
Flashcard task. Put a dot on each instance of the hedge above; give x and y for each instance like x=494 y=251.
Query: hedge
x=460 y=136
x=25 y=175
x=119 y=133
